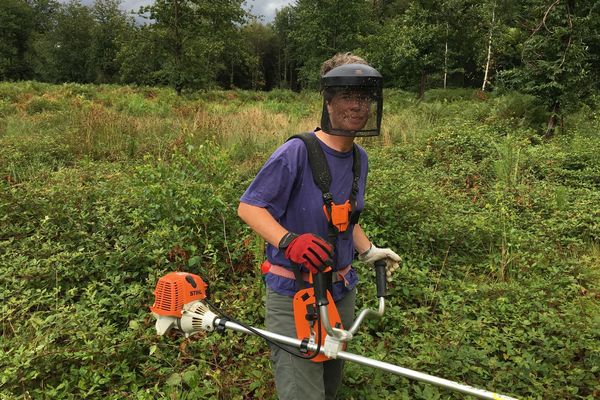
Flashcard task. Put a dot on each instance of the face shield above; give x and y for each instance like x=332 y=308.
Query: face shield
x=352 y=101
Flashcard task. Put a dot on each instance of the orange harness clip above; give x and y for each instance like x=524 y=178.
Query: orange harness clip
x=340 y=215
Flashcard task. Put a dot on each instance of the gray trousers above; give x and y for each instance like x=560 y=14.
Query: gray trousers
x=298 y=379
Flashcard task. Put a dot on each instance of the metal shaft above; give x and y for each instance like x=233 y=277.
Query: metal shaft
x=394 y=369
x=419 y=376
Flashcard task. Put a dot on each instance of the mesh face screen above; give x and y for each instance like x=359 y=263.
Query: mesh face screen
x=351 y=111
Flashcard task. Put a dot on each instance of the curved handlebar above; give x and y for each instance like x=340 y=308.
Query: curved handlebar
x=381 y=282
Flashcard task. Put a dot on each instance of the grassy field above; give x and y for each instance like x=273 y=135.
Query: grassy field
x=103 y=189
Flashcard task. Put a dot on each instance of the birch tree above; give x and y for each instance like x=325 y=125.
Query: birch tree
x=489 y=47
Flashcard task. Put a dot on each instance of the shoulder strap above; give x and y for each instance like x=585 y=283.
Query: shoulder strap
x=356 y=173
x=317 y=161
x=320 y=168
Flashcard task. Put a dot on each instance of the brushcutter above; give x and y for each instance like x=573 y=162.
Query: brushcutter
x=181 y=303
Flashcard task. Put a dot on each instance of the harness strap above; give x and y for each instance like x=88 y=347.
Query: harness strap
x=322 y=178
x=355 y=185
x=316 y=160
x=305 y=276
x=299 y=278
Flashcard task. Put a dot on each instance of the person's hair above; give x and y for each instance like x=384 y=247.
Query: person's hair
x=336 y=61
x=341 y=59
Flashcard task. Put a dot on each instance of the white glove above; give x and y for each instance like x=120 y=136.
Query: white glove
x=374 y=253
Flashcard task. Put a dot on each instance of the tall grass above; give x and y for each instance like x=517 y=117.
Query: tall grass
x=124 y=123
x=508 y=163
x=120 y=123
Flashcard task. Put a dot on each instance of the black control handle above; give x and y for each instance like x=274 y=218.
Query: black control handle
x=321 y=282
x=381 y=278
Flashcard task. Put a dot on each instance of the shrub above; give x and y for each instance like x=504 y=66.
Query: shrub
x=520 y=110
x=449 y=95
x=42 y=104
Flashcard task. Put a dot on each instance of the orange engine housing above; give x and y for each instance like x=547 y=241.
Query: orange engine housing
x=176 y=289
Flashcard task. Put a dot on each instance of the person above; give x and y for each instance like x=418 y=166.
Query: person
x=284 y=206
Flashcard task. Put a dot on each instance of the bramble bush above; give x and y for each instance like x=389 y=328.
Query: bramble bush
x=499 y=233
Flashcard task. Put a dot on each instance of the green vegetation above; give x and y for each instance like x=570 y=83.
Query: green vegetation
x=103 y=189
x=546 y=49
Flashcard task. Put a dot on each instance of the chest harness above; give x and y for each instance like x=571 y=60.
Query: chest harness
x=339 y=216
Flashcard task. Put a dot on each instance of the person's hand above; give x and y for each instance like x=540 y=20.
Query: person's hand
x=392 y=260
x=307 y=249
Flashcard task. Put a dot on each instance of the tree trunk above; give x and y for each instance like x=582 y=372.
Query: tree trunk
x=285 y=70
x=489 y=52
x=178 y=49
x=279 y=67
x=446 y=59
x=553 y=121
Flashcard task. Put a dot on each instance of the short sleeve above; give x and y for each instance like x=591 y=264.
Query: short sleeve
x=272 y=186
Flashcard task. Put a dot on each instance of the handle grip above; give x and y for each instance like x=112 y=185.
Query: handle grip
x=381 y=278
x=321 y=282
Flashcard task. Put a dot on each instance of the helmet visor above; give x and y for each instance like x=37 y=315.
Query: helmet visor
x=351 y=111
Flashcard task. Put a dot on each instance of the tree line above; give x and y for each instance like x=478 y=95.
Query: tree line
x=547 y=48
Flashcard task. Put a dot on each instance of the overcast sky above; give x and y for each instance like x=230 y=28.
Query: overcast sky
x=266 y=8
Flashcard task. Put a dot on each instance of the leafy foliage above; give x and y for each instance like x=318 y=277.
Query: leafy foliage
x=193 y=35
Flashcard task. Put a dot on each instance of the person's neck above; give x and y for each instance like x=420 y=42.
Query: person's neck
x=339 y=143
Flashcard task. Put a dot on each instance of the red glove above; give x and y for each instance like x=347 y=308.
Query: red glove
x=309 y=250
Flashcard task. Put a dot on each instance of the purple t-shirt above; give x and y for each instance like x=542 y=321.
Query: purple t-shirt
x=285 y=187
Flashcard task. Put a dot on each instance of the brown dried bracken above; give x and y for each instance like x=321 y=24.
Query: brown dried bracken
x=177 y=254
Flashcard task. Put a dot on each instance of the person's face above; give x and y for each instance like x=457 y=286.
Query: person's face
x=349 y=110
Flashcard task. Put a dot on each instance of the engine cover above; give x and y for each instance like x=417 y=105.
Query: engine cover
x=176 y=289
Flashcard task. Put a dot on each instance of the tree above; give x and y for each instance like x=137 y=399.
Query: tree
x=21 y=21
x=261 y=49
x=489 y=47
x=284 y=25
x=140 y=57
x=459 y=20
x=557 y=61
x=194 y=34
x=410 y=46
x=111 y=29
x=322 y=28
x=497 y=37
x=61 y=54
x=16 y=27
